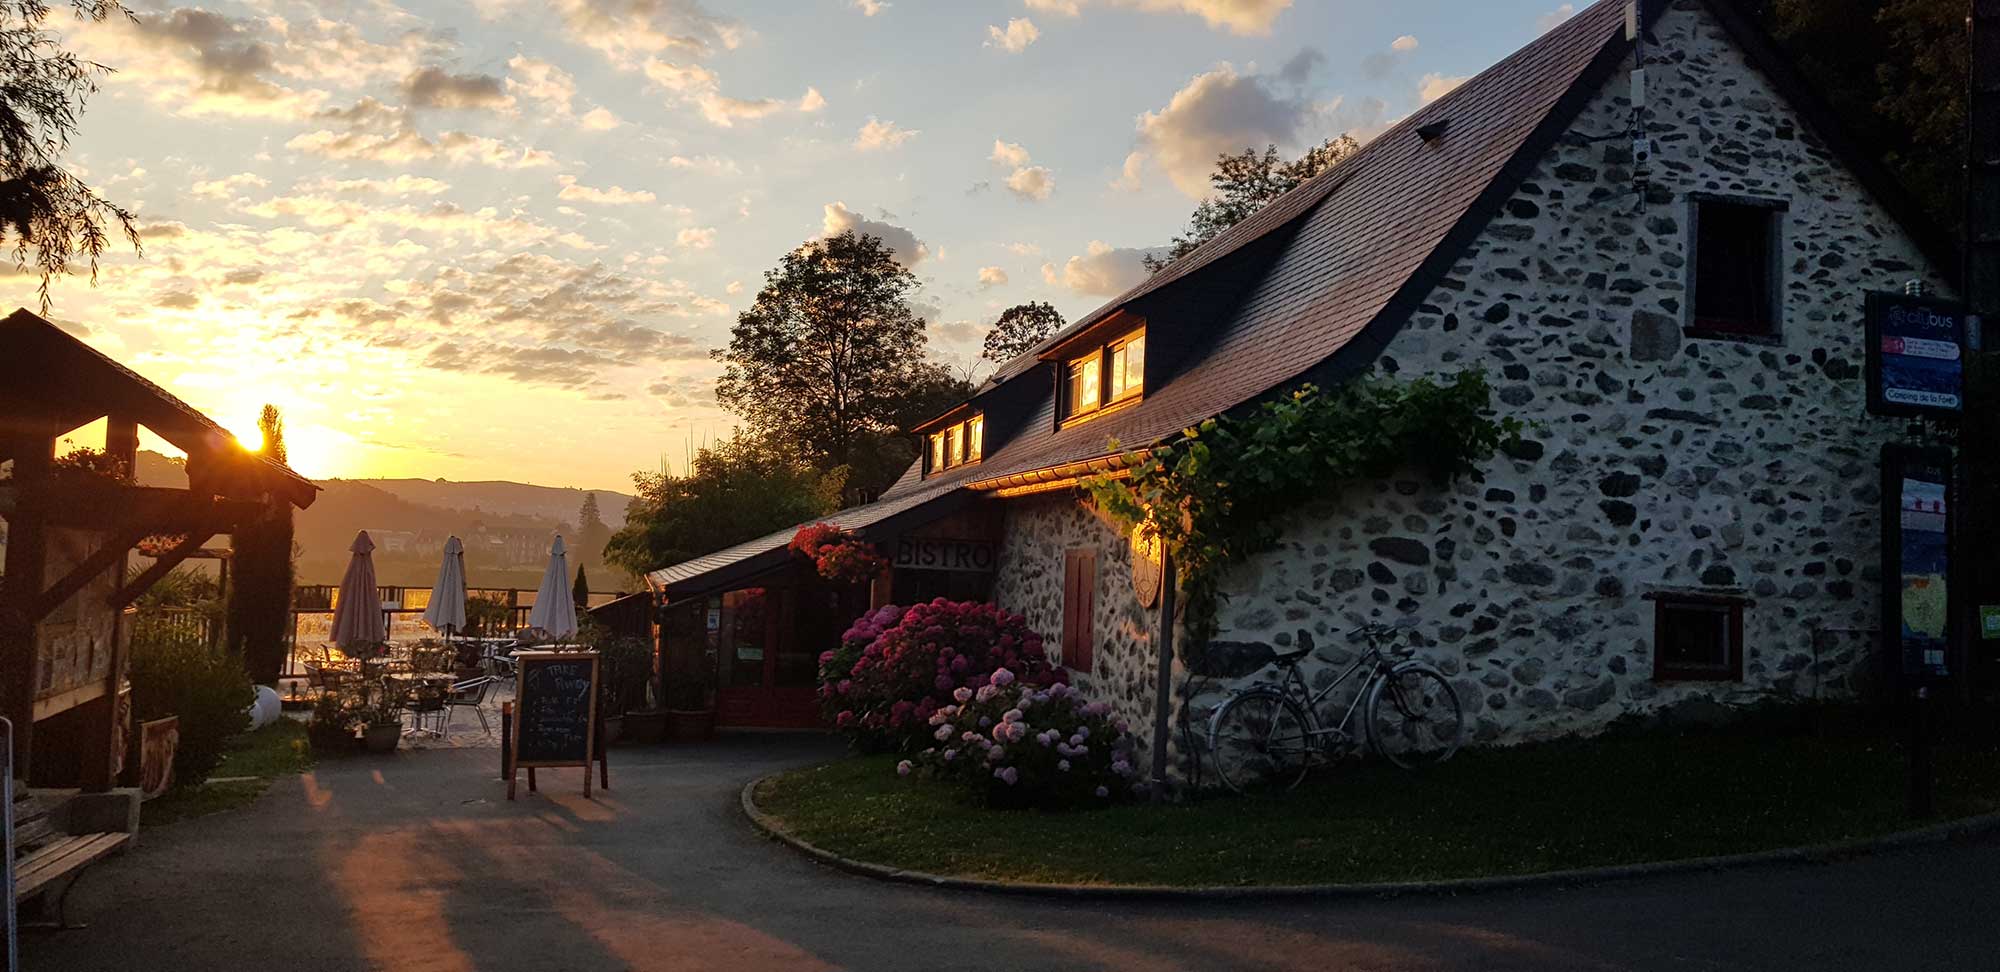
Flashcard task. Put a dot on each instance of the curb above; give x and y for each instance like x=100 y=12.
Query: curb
x=1950 y=831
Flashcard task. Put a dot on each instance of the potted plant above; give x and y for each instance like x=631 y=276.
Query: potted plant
x=381 y=720
x=628 y=674
x=690 y=705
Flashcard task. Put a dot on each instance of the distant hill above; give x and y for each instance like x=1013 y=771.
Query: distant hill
x=505 y=527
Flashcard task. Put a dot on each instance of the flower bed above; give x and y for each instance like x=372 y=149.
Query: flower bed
x=1020 y=745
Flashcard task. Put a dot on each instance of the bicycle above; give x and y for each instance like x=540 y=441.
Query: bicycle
x=1269 y=736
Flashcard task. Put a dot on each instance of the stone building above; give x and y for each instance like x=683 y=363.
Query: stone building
x=1672 y=296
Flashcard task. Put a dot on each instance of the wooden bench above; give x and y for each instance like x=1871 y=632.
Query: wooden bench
x=54 y=868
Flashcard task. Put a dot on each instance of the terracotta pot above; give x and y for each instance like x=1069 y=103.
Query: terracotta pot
x=690 y=725
x=383 y=738
x=646 y=725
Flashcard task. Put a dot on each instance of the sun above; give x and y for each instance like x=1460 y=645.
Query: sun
x=313 y=451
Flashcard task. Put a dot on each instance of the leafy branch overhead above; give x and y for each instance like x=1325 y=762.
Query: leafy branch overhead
x=49 y=214
x=1213 y=495
x=1019 y=329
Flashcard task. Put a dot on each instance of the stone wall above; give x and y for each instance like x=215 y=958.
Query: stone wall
x=1038 y=533
x=1661 y=460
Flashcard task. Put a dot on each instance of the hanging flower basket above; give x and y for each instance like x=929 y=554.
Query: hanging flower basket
x=159 y=543
x=838 y=555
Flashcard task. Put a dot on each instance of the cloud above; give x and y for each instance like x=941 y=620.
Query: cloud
x=1015 y=38
x=178 y=300
x=1102 y=270
x=375 y=132
x=434 y=87
x=1024 y=249
x=992 y=277
x=599 y=119
x=402 y=185
x=1548 y=21
x=1235 y=16
x=704 y=163
x=1009 y=154
x=447 y=221
x=628 y=31
x=696 y=237
x=1131 y=174
x=1404 y=44
x=201 y=63
x=1030 y=182
x=1216 y=113
x=869 y=8
x=837 y=219
x=878 y=135
x=229 y=186
x=702 y=87
x=574 y=191
x=1434 y=86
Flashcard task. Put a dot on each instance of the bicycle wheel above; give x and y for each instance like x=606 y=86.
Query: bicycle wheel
x=1414 y=719
x=1260 y=740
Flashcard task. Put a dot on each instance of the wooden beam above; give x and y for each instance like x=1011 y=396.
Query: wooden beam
x=166 y=563
x=33 y=447
x=103 y=559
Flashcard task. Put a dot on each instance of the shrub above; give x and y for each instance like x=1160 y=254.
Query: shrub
x=837 y=554
x=332 y=727
x=911 y=669
x=175 y=675
x=836 y=665
x=1021 y=745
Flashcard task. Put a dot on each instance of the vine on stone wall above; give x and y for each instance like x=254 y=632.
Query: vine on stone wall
x=1215 y=496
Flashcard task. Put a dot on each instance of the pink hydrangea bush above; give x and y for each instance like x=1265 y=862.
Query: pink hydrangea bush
x=1017 y=744
x=836 y=666
x=885 y=697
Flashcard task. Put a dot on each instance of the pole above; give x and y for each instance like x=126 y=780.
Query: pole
x=1978 y=580
x=1164 y=686
x=1923 y=788
x=507 y=746
x=7 y=840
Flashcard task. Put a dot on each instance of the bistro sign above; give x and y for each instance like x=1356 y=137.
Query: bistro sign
x=925 y=553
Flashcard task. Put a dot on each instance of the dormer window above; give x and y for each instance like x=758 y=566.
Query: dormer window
x=1112 y=374
x=957 y=445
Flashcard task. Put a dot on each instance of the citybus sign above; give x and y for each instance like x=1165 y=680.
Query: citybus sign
x=1916 y=355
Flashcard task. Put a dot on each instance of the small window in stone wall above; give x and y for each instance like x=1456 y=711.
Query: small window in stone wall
x=1079 y=607
x=1736 y=267
x=1697 y=638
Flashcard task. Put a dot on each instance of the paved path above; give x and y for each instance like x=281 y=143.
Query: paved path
x=418 y=862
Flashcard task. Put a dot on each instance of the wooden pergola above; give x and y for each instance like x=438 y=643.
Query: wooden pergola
x=70 y=536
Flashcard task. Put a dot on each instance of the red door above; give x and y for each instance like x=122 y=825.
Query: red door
x=767 y=666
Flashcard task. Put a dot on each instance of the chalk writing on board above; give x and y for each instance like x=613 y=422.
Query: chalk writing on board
x=555 y=710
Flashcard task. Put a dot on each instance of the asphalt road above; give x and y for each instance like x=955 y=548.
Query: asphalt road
x=418 y=862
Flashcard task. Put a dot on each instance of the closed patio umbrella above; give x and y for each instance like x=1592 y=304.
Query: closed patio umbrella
x=357 y=618
x=554 y=612
x=446 y=611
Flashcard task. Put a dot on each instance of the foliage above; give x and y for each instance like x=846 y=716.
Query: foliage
x=1019 y=745
x=838 y=663
x=87 y=462
x=1020 y=328
x=53 y=217
x=185 y=587
x=580 y=591
x=1900 y=86
x=591 y=532
x=332 y=727
x=738 y=490
x=283 y=748
x=911 y=669
x=486 y=616
x=207 y=690
x=628 y=665
x=838 y=555
x=828 y=348
x=1213 y=495
x=260 y=600
x=1244 y=183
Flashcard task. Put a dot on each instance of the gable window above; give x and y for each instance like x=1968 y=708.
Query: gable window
x=1736 y=267
x=1079 y=607
x=1109 y=375
x=956 y=445
x=1697 y=638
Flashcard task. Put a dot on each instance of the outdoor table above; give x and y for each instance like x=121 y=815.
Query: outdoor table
x=444 y=680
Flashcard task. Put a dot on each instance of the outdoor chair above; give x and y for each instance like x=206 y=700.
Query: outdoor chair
x=427 y=702
x=470 y=693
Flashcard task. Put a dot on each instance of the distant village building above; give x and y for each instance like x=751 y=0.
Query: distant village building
x=1697 y=512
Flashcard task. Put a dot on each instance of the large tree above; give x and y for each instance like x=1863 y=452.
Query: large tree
x=591 y=532
x=737 y=490
x=1246 y=182
x=260 y=599
x=49 y=215
x=1019 y=328
x=827 y=354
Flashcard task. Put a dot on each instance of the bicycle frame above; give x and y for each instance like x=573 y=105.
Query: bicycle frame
x=1371 y=659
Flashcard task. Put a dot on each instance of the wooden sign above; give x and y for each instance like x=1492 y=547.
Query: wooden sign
x=555 y=712
x=159 y=740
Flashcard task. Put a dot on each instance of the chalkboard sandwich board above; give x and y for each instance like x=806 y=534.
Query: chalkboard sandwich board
x=555 y=701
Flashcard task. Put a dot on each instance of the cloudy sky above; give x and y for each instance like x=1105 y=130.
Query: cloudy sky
x=497 y=238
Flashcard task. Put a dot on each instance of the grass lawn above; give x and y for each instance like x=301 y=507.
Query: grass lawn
x=1616 y=799
x=276 y=750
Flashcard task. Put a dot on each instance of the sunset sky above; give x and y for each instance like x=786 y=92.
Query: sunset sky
x=495 y=239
